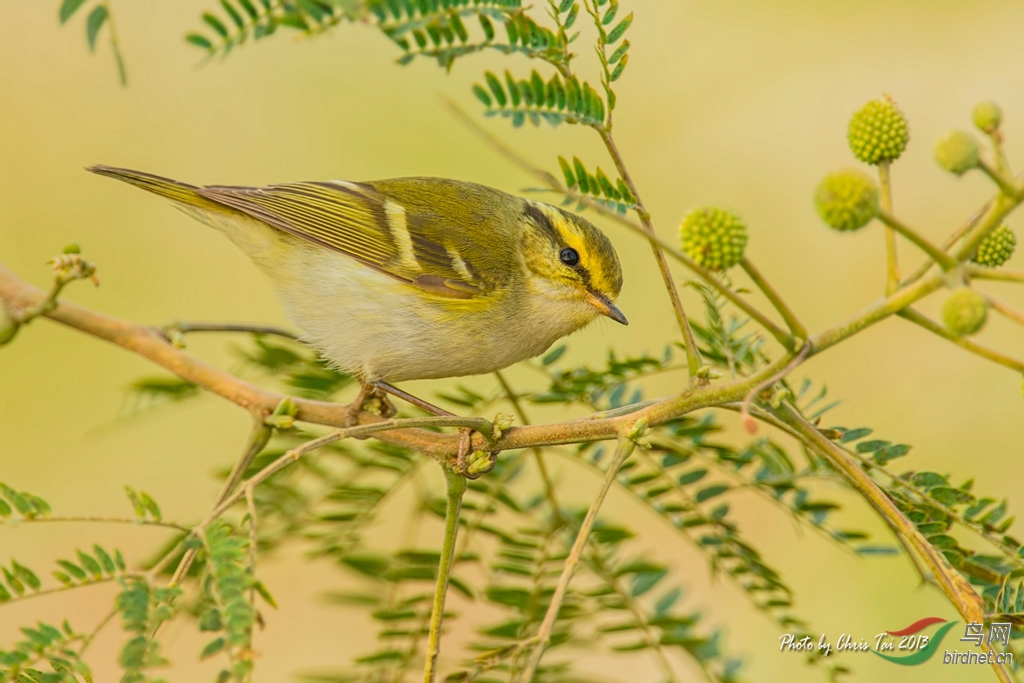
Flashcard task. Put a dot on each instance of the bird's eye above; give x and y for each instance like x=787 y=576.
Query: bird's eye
x=569 y=256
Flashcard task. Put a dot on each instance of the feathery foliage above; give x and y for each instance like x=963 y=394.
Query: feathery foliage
x=98 y=17
x=518 y=553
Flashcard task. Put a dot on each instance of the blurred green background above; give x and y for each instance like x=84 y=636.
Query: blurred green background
x=742 y=104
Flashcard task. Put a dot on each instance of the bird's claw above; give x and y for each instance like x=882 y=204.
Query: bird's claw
x=367 y=394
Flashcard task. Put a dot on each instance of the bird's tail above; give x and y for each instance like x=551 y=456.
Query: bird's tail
x=181 y=193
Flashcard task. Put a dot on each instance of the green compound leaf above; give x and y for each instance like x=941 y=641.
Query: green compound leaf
x=212 y=648
x=616 y=33
x=26 y=575
x=216 y=24
x=18 y=500
x=68 y=9
x=230 y=10
x=199 y=41
x=555 y=100
x=94 y=23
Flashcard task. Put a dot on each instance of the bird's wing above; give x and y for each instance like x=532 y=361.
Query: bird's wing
x=357 y=220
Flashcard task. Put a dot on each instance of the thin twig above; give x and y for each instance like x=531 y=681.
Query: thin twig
x=456 y=487
x=115 y=46
x=965 y=228
x=959 y=592
x=63 y=589
x=1004 y=309
x=795 y=326
x=1002 y=274
x=1005 y=183
x=475 y=423
x=897 y=482
x=258 y=437
x=693 y=358
x=944 y=260
x=622 y=452
x=999 y=152
x=95 y=519
x=892 y=269
x=191 y=327
x=977 y=228
x=250 y=506
x=88 y=639
x=961 y=341
x=998 y=210
x=748 y=422
x=878 y=311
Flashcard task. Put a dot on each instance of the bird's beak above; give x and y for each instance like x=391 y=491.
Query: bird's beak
x=606 y=307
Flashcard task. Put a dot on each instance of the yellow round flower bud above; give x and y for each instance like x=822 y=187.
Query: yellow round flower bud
x=878 y=132
x=964 y=312
x=957 y=152
x=713 y=237
x=847 y=200
x=987 y=116
x=996 y=249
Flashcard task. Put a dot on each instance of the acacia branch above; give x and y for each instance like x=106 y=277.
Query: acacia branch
x=149 y=343
x=797 y=329
x=1004 y=309
x=961 y=341
x=182 y=327
x=1004 y=275
x=456 y=488
x=693 y=359
x=892 y=278
x=957 y=589
x=95 y=519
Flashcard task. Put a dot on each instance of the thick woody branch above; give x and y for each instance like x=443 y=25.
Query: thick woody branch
x=151 y=344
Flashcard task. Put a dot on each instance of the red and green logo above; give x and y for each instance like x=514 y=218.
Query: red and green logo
x=920 y=646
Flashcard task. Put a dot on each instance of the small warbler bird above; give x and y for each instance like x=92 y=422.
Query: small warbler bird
x=413 y=278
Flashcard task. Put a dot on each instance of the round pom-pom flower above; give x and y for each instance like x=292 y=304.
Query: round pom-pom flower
x=996 y=249
x=847 y=200
x=964 y=312
x=713 y=237
x=957 y=152
x=987 y=116
x=878 y=132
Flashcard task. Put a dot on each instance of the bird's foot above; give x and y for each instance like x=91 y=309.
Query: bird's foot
x=468 y=463
x=369 y=395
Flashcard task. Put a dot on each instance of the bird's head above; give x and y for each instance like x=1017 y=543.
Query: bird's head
x=571 y=260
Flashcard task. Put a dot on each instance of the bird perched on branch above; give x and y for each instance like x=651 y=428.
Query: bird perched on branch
x=413 y=278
